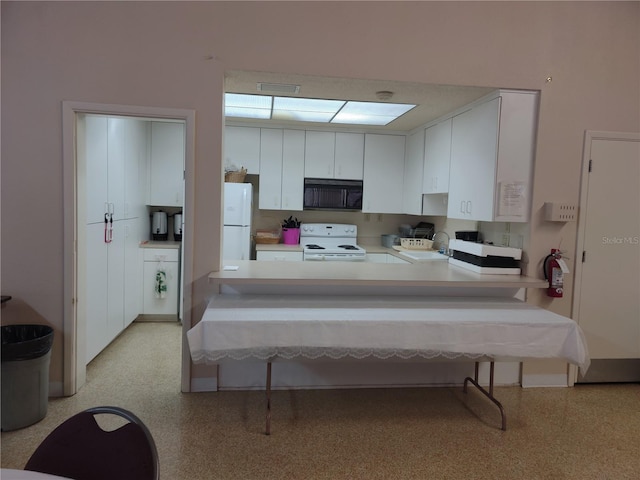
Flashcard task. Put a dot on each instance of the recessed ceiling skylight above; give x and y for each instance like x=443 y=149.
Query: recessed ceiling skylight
x=312 y=109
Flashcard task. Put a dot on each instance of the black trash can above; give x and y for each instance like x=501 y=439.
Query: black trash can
x=26 y=354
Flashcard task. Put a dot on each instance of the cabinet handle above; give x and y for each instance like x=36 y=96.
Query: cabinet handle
x=462 y=206
x=469 y=207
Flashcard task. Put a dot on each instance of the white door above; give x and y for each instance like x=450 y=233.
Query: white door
x=607 y=300
x=236 y=243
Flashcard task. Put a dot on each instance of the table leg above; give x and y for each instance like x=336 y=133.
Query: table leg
x=268 y=392
x=488 y=394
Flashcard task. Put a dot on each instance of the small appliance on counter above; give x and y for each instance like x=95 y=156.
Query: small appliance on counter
x=485 y=258
x=159 y=226
x=177 y=227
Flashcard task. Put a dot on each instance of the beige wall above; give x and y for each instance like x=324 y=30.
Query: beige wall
x=167 y=54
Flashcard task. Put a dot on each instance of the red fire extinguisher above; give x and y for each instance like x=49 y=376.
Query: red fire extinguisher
x=553 y=273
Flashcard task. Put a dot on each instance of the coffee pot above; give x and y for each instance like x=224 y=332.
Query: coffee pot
x=159 y=225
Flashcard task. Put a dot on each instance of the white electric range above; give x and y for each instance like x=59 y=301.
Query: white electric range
x=330 y=242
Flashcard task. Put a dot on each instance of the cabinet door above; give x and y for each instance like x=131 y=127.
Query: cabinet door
x=96 y=300
x=413 y=165
x=153 y=304
x=132 y=271
x=349 y=156
x=437 y=156
x=474 y=141
x=92 y=146
x=273 y=255
x=242 y=148
x=116 y=281
x=135 y=165
x=270 y=181
x=377 y=257
x=166 y=177
x=293 y=169
x=383 y=173
x=116 y=147
x=319 y=154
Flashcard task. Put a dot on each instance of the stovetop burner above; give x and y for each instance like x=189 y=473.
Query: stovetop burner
x=348 y=247
x=313 y=246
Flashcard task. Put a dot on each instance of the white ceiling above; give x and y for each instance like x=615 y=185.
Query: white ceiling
x=433 y=100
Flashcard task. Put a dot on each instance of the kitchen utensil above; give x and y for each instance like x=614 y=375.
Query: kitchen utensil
x=389 y=240
x=177 y=227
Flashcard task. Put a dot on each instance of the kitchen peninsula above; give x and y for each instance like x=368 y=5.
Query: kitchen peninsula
x=328 y=311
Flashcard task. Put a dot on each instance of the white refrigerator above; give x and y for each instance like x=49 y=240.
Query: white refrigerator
x=236 y=234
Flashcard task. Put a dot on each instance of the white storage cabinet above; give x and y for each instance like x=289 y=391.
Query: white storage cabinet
x=281 y=182
x=166 y=166
x=383 y=173
x=413 y=168
x=492 y=150
x=337 y=155
x=113 y=153
x=242 y=148
x=166 y=259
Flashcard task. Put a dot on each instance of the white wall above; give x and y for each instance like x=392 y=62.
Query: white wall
x=174 y=54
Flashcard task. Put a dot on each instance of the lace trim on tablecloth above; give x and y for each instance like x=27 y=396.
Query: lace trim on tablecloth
x=314 y=353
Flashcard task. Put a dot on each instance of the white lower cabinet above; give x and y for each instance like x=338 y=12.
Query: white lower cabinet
x=155 y=300
x=384 y=258
x=274 y=255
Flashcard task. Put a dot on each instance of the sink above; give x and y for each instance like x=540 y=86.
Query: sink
x=423 y=255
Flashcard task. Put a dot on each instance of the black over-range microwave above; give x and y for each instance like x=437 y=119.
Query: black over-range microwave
x=333 y=194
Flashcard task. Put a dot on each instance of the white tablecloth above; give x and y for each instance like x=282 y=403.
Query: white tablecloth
x=270 y=326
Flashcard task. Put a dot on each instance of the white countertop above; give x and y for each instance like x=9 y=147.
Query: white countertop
x=419 y=274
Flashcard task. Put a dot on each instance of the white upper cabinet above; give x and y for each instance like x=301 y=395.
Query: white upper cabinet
x=293 y=169
x=349 y=156
x=413 y=166
x=437 y=156
x=281 y=169
x=114 y=151
x=383 y=173
x=270 y=186
x=492 y=149
x=166 y=166
x=319 y=154
x=242 y=148
x=334 y=155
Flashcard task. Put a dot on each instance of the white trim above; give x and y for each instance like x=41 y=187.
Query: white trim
x=589 y=137
x=74 y=368
x=544 y=380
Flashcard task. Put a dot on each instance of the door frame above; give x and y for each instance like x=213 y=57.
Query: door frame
x=74 y=367
x=589 y=137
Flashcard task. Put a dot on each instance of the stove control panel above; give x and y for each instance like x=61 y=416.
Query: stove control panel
x=329 y=230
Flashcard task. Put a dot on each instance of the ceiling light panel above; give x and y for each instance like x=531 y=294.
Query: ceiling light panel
x=371 y=113
x=305 y=109
x=247 y=106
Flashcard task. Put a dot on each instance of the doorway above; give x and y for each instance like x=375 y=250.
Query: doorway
x=606 y=303
x=74 y=358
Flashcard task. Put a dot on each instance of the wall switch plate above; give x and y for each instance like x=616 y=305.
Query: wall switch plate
x=560 y=212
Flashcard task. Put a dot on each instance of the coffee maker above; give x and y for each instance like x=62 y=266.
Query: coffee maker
x=177 y=227
x=159 y=226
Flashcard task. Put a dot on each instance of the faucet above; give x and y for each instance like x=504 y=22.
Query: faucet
x=443 y=248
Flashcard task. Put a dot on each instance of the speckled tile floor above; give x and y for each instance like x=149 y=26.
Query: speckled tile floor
x=586 y=432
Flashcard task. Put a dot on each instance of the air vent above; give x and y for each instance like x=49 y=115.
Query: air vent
x=278 y=88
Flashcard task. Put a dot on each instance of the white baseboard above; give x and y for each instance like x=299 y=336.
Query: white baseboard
x=545 y=380
x=207 y=384
x=56 y=389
